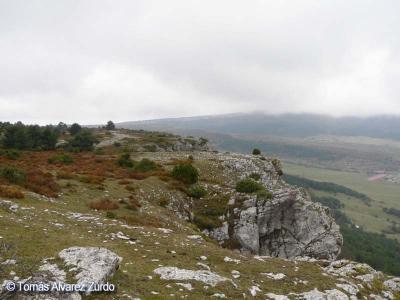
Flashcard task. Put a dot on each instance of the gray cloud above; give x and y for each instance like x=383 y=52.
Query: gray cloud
x=90 y=61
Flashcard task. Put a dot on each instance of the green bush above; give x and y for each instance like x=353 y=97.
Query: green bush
x=10 y=154
x=204 y=222
x=145 y=165
x=264 y=195
x=185 y=173
x=12 y=175
x=83 y=141
x=256 y=151
x=62 y=159
x=197 y=192
x=248 y=185
x=125 y=161
x=255 y=176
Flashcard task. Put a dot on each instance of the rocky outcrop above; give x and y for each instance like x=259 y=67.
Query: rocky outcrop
x=90 y=265
x=286 y=224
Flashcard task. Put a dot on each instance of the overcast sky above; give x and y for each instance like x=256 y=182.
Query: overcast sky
x=91 y=61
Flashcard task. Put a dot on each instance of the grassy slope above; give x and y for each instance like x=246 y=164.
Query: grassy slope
x=32 y=237
x=383 y=194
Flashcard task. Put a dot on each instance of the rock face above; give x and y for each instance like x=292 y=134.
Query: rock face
x=286 y=225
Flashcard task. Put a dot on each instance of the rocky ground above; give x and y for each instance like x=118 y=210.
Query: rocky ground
x=225 y=245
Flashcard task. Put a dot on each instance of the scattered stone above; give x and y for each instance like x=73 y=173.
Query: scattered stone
x=274 y=276
x=228 y=259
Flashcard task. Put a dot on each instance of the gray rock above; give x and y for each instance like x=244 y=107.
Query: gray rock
x=287 y=226
x=92 y=264
x=173 y=273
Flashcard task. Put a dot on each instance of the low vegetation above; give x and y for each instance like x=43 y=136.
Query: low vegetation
x=248 y=186
x=185 y=173
x=197 y=192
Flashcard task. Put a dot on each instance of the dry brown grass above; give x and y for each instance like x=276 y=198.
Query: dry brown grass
x=42 y=183
x=134 y=204
x=139 y=220
x=11 y=192
x=104 y=204
x=177 y=185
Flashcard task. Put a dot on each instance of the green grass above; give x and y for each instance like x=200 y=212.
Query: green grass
x=383 y=194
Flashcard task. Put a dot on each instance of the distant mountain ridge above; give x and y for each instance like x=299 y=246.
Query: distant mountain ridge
x=289 y=125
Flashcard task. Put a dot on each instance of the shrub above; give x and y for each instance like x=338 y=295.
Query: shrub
x=248 y=185
x=256 y=151
x=145 y=165
x=10 y=154
x=13 y=175
x=164 y=201
x=82 y=141
x=125 y=161
x=264 y=195
x=110 y=125
x=204 y=222
x=255 y=176
x=11 y=192
x=75 y=128
x=62 y=159
x=185 y=173
x=197 y=192
x=104 y=204
x=110 y=215
x=42 y=183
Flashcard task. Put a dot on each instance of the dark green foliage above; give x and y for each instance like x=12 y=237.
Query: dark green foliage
x=374 y=249
x=74 y=128
x=111 y=215
x=62 y=127
x=185 y=173
x=256 y=151
x=207 y=212
x=197 y=192
x=325 y=186
x=205 y=222
x=10 y=154
x=330 y=202
x=150 y=148
x=145 y=165
x=248 y=185
x=203 y=141
x=82 y=141
x=255 y=176
x=61 y=159
x=392 y=211
x=30 y=137
x=12 y=174
x=163 y=202
x=125 y=161
x=110 y=125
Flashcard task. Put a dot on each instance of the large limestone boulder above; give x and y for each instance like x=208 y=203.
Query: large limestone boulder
x=287 y=225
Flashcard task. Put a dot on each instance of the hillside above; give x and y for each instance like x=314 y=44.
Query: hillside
x=155 y=207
